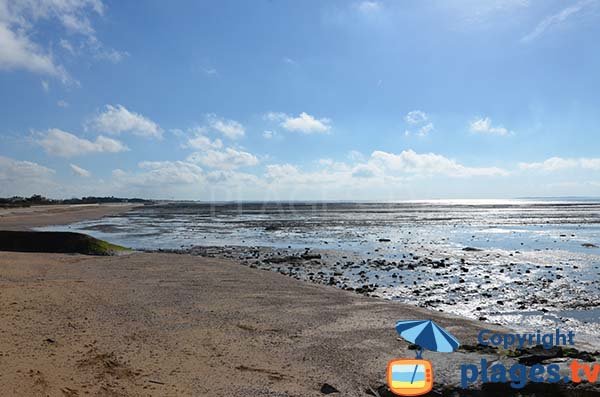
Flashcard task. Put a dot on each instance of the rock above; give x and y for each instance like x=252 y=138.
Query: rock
x=328 y=389
x=308 y=256
x=589 y=245
x=384 y=240
x=486 y=349
x=537 y=354
x=472 y=249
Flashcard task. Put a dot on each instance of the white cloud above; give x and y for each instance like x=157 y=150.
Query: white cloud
x=425 y=130
x=23 y=177
x=17 y=51
x=158 y=179
x=233 y=179
x=381 y=172
x=304 y=123
x=230 y=128
x=268 y=134
x=557 y=19
x=559 y=163
x=203 y=142
x=169 y=172
x=410 y=162
x=45 y=86
x=416 y=117
x=368 y=6
x=77 y=170
x=19 y=22
x=355 y=155
x=64 y=144
x=67 y=46
x=117 y=119
x=62 y=104
x=365 y=171
x=484 y=126
x=227 y=159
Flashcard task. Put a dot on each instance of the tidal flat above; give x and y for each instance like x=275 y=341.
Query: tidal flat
x=525 y=264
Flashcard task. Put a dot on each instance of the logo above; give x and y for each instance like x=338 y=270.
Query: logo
x=414 y=377
x=406 y=377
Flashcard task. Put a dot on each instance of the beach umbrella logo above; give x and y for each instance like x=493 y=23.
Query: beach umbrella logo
x=414 y=377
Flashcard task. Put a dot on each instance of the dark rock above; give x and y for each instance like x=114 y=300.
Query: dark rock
x=308 y=256
x=328 y=389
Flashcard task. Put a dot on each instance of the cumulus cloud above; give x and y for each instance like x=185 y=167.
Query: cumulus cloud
x=203 y=142
x=304 y=122
x=382 y=171
x=118 y=119
x=230 y=128
x=484 y=126
x=227 y=159
x=425 y=164
x=365 y=171
x=65 y=144
x=559 y=163
x=23 y=177
x=158 y=179
x=77 y=170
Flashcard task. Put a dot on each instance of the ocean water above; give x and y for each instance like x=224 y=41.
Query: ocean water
x=530 y=264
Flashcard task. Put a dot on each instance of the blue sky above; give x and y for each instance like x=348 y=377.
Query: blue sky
x=230 y=100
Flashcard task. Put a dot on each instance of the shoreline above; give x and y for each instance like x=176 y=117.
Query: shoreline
x=28 y=218
x=175 y=324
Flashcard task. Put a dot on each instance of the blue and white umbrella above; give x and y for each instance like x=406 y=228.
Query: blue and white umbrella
x=427 y=335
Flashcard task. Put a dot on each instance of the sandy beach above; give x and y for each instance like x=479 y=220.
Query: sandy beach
x=46 y=215
x=157 y=324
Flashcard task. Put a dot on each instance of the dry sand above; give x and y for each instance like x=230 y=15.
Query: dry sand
x=46 y=215
x=177 y=325
x=167 y=325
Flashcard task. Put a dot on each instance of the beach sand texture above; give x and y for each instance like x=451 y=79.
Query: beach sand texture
x=164 y=324
x=46 y=215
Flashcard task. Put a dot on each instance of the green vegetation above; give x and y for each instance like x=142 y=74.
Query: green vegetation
x=56 y=242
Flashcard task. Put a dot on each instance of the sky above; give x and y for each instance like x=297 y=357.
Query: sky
x=300 y=100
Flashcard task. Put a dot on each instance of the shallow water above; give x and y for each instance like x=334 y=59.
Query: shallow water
x=540 y=249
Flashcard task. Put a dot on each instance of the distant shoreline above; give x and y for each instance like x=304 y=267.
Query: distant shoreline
x=28 y=218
